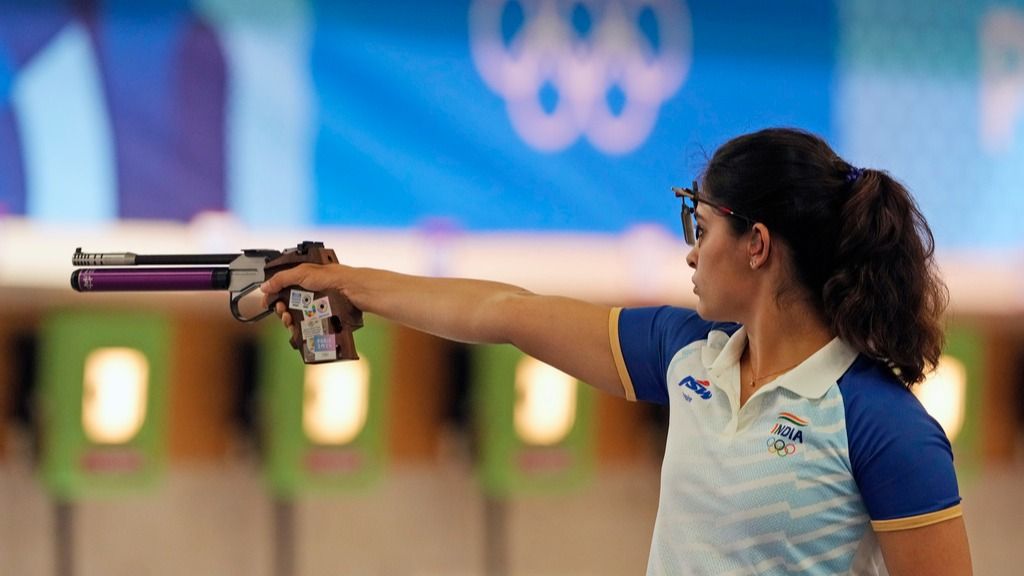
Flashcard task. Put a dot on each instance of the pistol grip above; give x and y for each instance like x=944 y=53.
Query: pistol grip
x=323 y=324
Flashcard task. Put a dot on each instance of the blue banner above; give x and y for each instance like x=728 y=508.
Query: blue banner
x=496 y=114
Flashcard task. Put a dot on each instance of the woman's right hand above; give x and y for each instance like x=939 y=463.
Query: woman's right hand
x=311 y=277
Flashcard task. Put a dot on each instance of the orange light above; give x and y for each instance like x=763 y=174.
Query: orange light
x=336 y=401
x=114 y=396
x=944 y=394
x=545 y=408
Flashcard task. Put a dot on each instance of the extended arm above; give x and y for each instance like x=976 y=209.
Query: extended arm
x=569 y=334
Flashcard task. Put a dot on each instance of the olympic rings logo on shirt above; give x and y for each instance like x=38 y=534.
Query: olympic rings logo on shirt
x=780 y=447
x=586 y=67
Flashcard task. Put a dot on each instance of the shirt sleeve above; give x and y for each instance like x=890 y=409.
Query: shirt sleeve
x=644 y=340
x=902 y=461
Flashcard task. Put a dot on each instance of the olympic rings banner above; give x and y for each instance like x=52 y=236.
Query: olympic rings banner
x=495 y=114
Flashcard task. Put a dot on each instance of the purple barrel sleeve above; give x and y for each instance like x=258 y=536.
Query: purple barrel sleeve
x=148 y=279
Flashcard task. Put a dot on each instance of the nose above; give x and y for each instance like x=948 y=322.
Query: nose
x=691 y=258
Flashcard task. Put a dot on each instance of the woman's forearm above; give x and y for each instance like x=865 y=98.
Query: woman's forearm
x=457 y=309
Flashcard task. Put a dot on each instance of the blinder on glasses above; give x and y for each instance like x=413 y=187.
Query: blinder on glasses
x=688 y=213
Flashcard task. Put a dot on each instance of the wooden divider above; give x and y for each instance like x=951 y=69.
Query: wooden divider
x=420 y=390
x=1001 y=396
x=203 y=391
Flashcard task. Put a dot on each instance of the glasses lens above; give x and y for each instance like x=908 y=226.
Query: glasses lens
x=689 y=218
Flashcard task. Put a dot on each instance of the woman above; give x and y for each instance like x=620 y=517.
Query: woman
x=794 y=445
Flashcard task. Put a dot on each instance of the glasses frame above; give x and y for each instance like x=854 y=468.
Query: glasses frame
x=691 y=229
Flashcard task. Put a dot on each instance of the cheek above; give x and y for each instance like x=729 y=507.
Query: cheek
x=718 y=260
x=721 y=274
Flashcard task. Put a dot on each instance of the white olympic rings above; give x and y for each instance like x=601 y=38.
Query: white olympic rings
x=547 y=52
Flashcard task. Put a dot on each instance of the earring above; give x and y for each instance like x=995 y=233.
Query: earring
x=751 y=264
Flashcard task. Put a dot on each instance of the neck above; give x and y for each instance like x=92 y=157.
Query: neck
x=778 y=340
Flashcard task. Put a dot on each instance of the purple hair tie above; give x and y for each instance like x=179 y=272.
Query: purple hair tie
x=853 y=174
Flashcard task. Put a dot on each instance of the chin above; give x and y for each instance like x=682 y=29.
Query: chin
x=709 y=313
x=701 y=308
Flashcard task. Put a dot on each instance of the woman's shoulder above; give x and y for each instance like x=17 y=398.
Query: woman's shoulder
x=880 y=408
x=871 y=384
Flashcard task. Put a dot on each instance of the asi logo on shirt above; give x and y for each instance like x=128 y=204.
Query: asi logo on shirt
x=698 y=387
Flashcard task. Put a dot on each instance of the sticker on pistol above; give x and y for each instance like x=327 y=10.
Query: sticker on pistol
x=313 y=327
x=324 y=347
x=300 y=300
x=322 y=307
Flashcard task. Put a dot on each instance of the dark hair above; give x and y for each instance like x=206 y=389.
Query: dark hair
x=860 y=245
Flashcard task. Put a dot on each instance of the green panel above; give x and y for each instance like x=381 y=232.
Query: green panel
x=507 y=465
x=72 y=465
x=965 y=344
x=293 y=463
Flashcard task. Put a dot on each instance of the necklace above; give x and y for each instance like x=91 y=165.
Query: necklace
x=755 y=378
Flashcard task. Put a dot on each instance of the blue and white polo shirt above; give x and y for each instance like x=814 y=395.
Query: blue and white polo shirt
x=799 y=479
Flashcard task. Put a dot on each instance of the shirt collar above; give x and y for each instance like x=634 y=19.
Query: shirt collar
x=812 y=378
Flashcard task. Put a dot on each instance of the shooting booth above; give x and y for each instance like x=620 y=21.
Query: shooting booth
x=103 y=401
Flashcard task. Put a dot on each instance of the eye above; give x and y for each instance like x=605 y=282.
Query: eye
x=698 y=231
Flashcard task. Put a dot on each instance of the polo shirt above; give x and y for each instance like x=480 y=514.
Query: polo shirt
x=800 y=478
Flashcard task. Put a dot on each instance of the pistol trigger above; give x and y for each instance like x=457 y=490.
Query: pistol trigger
x=236 y=297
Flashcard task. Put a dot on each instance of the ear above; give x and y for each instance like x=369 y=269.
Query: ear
x=760 y=246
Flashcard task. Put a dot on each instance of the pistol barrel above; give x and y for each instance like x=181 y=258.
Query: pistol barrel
x=80 y=258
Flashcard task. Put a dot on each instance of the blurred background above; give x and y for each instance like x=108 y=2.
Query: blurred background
x=528 y=141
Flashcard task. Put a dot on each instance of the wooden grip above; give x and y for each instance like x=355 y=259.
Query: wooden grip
x=323 y=324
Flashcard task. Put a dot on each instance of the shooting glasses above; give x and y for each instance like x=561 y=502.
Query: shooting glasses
x=688 y=213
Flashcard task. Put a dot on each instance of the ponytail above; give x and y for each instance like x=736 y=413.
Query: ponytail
x=860 y=247
x=885 y=297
